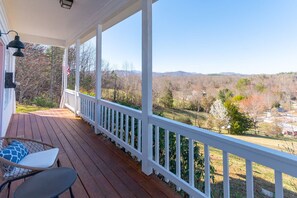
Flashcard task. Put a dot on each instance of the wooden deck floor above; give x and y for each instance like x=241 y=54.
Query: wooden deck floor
x=103 y=169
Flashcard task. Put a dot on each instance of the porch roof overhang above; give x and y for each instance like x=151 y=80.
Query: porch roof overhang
x=45 y=22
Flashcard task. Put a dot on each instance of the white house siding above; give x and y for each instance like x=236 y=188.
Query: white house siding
x=7 y=102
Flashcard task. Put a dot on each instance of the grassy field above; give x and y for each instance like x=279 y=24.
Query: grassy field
x=21 y=108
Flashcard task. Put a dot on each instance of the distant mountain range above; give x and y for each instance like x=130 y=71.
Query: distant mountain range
x=178 y=73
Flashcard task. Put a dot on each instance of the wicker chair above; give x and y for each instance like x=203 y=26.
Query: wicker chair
x=41 y=156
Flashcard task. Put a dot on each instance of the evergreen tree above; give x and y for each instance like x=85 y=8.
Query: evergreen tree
x=167 y=99
x=225 y=94
x=239 y=122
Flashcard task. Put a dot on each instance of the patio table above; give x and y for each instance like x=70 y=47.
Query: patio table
x=49 y=183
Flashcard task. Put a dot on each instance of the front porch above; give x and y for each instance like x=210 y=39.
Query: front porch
x=103 y=169
x=180 y=153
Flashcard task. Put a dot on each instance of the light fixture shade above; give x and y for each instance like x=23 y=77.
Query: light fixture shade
x=16 y=43
x=18 y=53
x=66 y=3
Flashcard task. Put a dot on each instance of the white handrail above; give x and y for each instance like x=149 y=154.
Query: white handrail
x=91 y=98
x=126 y=110
x=70 y=91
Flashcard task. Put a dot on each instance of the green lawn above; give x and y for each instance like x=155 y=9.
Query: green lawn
x=21 y=108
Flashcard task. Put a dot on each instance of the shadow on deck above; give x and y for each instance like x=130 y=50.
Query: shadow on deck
x=103 y=169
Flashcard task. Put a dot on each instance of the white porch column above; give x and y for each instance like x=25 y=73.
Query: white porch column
x=65 y=68
x=13 y=92
x=146 y=85
x=64 y=76
x=98 y=76
x=77 y=65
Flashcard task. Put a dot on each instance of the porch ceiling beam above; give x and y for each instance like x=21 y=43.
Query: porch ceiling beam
x=42 y=40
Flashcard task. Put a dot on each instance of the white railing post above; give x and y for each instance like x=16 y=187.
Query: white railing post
x=64 y=76
x=226 y=180
x=77 y=68
x=167 y=159
x=249 y=179
x=146 y=85
x=279 y=190
x=207 y=171
x=98 y=76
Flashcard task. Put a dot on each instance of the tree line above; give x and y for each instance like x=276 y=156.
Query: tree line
x=39 y=74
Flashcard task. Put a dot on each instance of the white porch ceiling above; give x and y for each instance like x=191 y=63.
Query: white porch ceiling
x=45 y=22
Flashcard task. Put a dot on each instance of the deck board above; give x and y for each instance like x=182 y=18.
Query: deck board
x=104 y=170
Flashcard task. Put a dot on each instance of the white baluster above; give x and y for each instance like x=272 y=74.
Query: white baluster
x=117 y=124
x=127 y=129
x=178 y=158
x=88 y=109
x=249 y=179
x=112 y=121
x=191 y=162
x=101 y=116
x=167 y=152
x=207 y=170
x=139 y=136
x=105 y=117
x=133 y=132
x=122 y=125
x=82 y=110
x=108 y=122
x=157 y=144
x=226 y=174
x=279 y=190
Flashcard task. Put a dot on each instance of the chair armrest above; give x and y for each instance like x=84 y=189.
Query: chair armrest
x=32 y=145
x=6 y=162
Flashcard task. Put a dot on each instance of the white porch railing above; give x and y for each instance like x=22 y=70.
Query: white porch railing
x=87 y=108
x=69 y=99
x=123 y=126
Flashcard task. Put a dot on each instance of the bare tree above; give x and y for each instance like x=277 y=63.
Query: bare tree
x=31 y=72
x=219 y=112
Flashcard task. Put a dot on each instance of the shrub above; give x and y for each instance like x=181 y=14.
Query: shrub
x=270 y=129
x=185 y=120
x=44 y=102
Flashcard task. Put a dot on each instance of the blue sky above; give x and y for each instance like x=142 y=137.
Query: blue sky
x=211 y=36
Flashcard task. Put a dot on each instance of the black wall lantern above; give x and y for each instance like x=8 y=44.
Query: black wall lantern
x=9 y=80
x=16 y=43
x=66 y=3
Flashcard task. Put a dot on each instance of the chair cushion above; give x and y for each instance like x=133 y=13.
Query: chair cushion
x=14 y=152
x=42 y=159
